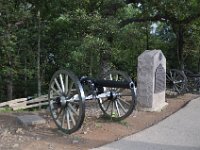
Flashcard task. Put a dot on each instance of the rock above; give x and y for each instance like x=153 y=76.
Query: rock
x=31 y=120
x=15 y=145
x=171 y=93
x=6 y=132
x=37 y=138
x=85 y=132
x=75 y=141
x=20 y=130
x=20 y=138
x=50 y=147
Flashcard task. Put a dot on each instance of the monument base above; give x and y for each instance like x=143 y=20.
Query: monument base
x=153 y=109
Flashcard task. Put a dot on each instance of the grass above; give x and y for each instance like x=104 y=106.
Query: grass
x=5 y=109
x=77 y=138
x=109 y=119
x=8 y=110
x=124 y=123
x=98 y=125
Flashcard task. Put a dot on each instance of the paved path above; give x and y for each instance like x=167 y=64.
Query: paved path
x=180 y=131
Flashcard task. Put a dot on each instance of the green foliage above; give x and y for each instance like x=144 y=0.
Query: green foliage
x=77 y=35
x=192 y=47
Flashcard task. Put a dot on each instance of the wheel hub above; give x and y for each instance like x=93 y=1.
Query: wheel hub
x=113 y=95
x=63 y=101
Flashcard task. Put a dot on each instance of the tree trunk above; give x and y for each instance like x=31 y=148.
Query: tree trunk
x=25 y=79
x=198 y=65
x=9 y=82
x=38 y=55
x=180 y=43
x=178 y=30
x=104 y=62
x=9 y=88
x=147 y=37
x=91 y=64
x=1 y=88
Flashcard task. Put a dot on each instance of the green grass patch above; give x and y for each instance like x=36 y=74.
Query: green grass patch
x=5 y=109
x=123 y=122
x=8 y=110
x=98 y=125
x=108 y=119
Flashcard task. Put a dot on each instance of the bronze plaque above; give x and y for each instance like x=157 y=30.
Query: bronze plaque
x=160 y=78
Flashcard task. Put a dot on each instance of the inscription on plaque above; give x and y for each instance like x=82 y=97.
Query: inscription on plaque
x=160 y=77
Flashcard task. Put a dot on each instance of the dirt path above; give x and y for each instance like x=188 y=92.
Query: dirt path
x=94 y=132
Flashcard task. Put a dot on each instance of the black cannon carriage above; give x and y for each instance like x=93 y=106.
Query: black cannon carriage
x=114 y=93
x=182 y=81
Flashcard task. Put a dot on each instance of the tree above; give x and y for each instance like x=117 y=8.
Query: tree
x=175 y=13
x=89 y=37
x=9 y=54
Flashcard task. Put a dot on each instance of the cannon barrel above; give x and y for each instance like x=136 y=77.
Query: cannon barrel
x=114 y=84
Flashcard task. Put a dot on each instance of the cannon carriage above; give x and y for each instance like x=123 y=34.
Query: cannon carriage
x=182 y=81
x=114 y=93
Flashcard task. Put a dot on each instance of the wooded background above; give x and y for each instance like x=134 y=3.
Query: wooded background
x=38 y=37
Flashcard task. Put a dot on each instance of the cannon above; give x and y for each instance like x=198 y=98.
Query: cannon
x=114 y=93
x=182 y=81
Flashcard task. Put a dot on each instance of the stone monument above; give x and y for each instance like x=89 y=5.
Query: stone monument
x=151 y=81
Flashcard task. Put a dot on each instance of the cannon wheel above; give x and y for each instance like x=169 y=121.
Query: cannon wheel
x=176 y=81
x=193 y=84
x=66 y=101
x=122 y=101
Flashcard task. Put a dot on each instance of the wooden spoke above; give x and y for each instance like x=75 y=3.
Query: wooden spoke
x=58 y=86
x=62 y=83
x=58 y=114
x=123 y=101
x=120 y=104
x=63 y=119
x=66 y=84
x=73 y=109
x=68 y=119
x=116 y=105
x=108 y=105
x=56 y=91
x=72 y=117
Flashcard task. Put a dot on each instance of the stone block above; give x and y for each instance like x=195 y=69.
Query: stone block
x=151 y=81
x=31 y=120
